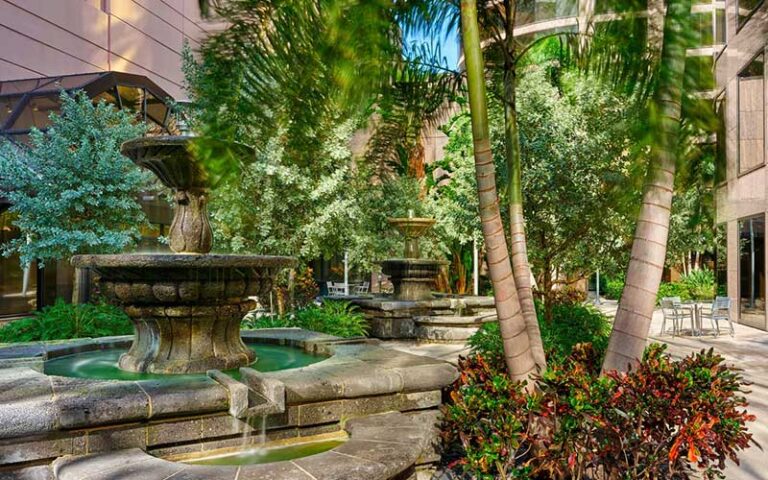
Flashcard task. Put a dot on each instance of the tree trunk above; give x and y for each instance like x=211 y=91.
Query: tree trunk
x=633 y=318
x=519 y=249
x=517 y=349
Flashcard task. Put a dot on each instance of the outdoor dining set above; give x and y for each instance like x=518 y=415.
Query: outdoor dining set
x=343 y=289
x=678 y=312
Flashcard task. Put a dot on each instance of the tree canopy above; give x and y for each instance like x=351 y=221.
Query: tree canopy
x=72 y=191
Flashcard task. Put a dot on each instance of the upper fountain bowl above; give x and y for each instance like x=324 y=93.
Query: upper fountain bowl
x=168 y=157
x=412 y=227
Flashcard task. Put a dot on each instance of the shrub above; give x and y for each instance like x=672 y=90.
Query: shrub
x=700 y=283
x=674 y=289
x=333 y=317
x=664 y=420
x=613 y=288
x=62 y=321
x=571 y=324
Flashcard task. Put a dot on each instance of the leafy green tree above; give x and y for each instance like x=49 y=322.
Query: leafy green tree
x=72 y=191
x=575 y=139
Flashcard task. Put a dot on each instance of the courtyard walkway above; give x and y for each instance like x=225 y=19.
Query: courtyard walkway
x=747 y=350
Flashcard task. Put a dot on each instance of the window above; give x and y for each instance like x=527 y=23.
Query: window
x=721 y=260
x=17 y=284
x=721 y=161
x=751 y=116
x=719 y=26
x=700 y=72
x=745 y=9
x=752 y=269
x=703 y=27
x=551 y=9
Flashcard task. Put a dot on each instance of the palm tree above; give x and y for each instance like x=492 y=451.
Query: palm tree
x=633 y=318
x=518 y=354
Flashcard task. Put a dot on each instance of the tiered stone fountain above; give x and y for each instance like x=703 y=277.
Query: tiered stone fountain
x=413 y=311
x=412 y=277
x=186 y=307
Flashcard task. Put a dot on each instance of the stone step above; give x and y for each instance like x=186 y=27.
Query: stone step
x=455 y=321
x=440 y=334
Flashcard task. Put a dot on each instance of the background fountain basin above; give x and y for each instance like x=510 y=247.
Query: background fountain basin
x=44 y=417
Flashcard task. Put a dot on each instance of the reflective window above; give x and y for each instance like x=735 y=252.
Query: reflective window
x=751 y=116
x=132 y=98
x=530 y=11
x=719 y=26
x=721 y=260
x=745 y=8
x=704 y=30
x=17 y=285
x=721 y=161
x=37 y=113
x=700 y=72
x=752 y=269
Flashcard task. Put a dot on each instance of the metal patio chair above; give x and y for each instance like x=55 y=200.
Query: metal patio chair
x=720 y=310
x=673 y=309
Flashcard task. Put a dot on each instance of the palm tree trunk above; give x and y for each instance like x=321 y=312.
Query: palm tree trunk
x=517 y=348
x=519 y=249
x=633 y=318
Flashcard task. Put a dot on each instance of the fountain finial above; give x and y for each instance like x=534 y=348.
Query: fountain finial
x=169 y=158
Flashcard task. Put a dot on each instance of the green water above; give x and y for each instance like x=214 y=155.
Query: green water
x=102 y=364
x=254 y=456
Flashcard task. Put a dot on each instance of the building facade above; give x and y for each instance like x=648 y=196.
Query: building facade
x=742 y=178
x=48 y=45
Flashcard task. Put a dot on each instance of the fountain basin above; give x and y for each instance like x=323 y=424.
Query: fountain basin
x=186 y=309
x=43 y=417
x=413 y=279
x=102 y=364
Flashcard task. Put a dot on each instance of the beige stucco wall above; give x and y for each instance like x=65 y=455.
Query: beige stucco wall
x=746 y=194
x=40 y=38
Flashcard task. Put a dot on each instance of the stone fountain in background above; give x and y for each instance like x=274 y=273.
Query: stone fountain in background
x=412 y=277
x=186 y=307
x=413 y=311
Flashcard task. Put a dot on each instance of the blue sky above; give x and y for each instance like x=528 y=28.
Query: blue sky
x=449 y=45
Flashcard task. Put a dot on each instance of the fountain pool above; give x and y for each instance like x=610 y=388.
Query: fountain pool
x=103 y=364
x=257 y=455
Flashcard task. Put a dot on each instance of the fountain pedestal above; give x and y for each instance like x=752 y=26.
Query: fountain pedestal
x=186 y=309
x=413 y=279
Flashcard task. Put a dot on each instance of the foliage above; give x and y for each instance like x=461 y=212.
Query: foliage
x=575 y=135
x=62 y=321
x=664 y=420
x=700 y=283
x=72 y=190
x=613 y=288
x=278 y=206
x=673 y=289
x=571 y=325
x=338 y=318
